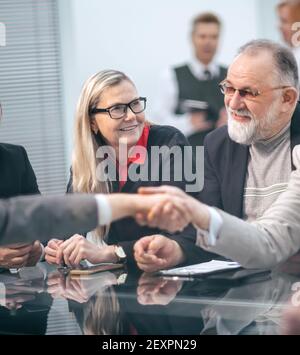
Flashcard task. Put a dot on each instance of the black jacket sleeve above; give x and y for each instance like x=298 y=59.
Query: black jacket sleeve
x=29 y=183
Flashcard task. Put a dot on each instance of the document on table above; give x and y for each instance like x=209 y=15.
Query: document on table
x=201 y=269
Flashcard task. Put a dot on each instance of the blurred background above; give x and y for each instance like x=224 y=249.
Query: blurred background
x=52 y=46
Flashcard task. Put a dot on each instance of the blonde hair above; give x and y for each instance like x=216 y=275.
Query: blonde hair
x=84 y=162
x=102 y=314
x=85 y=145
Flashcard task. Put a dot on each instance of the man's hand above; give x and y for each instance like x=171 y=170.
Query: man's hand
x=157 y=252
x=156 y=290
x=15 y=256
x=35 y=254
x=168 y=210
x=174 y=213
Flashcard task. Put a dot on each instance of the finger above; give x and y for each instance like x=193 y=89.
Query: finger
x=18 y=245
x=50 y=251
x=67 y=252
x=141 y=219
x=54 y=243
x=146 y=258
x=60 y=251
x=59 y=256
x=149 y=267
x=51 y=259
x=18 y=262
x=182 y=206
x=157 y=243
x=12 y=253
x=151 y=190
x=76 y=256
x=154 y=262
x=164 y=189
x=141 y=246
x=155 y=215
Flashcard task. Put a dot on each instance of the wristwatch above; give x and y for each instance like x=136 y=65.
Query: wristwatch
x=120 y=254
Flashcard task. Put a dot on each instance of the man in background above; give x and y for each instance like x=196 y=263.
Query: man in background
x=289 y=17
x=188 y=97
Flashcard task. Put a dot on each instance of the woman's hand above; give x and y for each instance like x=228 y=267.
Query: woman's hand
x=51 y=250
x=78 y=248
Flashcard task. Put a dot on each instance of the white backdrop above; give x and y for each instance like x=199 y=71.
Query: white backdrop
x=144 y=37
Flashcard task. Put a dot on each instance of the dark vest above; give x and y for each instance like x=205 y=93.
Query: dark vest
x=191 y=88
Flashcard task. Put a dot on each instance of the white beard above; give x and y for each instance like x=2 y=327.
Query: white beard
x=256 y=129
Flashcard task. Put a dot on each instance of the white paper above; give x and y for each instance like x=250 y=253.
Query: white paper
x=203 y=268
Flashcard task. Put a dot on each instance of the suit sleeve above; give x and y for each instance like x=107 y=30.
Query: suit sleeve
x=272 y=238
x=25 y=219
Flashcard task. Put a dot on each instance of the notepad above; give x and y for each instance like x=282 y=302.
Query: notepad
x=201 y=269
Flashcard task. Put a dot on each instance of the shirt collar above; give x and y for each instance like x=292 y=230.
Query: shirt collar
x=198 y=68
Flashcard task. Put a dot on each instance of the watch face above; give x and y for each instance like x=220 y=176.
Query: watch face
x=120 y=252
x=122 y=278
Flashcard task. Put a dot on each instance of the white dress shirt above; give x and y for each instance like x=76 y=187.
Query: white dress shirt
x=167 y=96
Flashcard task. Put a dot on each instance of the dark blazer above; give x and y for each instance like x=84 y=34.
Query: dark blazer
x=226 y=167
x=28 y=218
x=17 y=176
x=126 y=231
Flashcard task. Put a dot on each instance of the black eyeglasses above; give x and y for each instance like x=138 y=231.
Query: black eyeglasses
x=120 y=110
x=248 y=94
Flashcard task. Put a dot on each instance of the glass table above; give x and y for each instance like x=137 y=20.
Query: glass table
x=43 y=300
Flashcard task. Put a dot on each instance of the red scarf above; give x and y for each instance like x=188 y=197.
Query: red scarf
x=135 y=157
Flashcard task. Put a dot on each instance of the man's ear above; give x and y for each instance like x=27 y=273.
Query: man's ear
x=289 y=98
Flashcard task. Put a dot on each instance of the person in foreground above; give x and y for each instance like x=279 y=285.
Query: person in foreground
x=265 y=243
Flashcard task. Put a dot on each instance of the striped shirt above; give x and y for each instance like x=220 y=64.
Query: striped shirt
x=269 y=170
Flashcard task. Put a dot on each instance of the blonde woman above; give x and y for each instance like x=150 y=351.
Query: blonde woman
x=111 y=114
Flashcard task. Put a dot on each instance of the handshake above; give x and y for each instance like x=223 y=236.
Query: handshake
x=170 y=209
x=167 y=208
x=164 y=207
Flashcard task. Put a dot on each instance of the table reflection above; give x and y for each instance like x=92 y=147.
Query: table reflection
x=42 y=300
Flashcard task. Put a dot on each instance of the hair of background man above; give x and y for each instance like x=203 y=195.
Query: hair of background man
x=206 y=17
x=294 y=9
x=283 y=57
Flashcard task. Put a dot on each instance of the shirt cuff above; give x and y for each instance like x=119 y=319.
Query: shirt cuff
x=209 y=238
x=42 y=257
x=104 y=210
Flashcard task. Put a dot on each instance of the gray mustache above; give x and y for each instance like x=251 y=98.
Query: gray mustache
x=240 y=112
